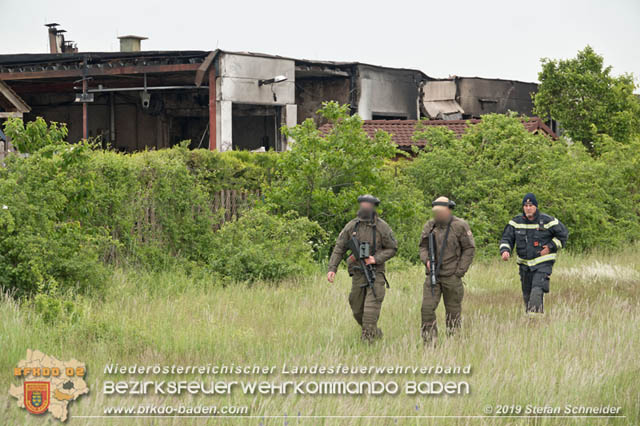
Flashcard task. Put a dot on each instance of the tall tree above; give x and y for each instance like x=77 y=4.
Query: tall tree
x=586 y=99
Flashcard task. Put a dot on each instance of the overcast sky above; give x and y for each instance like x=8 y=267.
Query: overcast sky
x=502 y=39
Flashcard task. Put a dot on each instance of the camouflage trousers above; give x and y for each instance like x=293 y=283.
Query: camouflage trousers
x=451 y=290
x=535 y=283
x=365 y=306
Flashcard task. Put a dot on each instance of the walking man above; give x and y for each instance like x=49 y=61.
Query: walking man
x=454 y=249
x=375 y=236
x=537 y=238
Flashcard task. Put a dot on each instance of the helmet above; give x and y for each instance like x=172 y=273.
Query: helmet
x=368 y=198
x=441 y=202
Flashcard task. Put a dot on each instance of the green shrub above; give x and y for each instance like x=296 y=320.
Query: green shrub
x=55 y=309
x=44 y=244
x=35 y=135
x=263 y=246
x=405 y=208
x=323 y=175
x=490 y=168
x=68 y=209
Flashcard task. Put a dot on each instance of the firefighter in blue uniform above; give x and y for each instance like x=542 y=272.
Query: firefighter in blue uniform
x=537 y=238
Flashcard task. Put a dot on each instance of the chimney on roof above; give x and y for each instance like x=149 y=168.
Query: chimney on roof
x=130 y=43
x=57 y=43
x=53 y=38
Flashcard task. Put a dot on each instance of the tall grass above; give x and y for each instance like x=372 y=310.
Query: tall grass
x=583 y=352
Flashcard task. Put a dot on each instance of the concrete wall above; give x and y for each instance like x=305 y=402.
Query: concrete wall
x=237 y=83
x=387 y=92
x=239 y=75
x=508 y=95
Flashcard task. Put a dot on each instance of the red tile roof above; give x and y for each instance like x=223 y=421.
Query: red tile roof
x=401 y=131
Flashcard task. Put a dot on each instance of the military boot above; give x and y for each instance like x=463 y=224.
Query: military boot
x=370 y=334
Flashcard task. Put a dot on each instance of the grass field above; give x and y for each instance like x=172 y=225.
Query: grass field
x=584 y=352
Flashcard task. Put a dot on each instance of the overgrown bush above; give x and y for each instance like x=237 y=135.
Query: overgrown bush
x=490 y=168
x=405 y=208
x=34 y=135
x=67 y=209
x=323 y=175
x=263 y=246
x=44 y=244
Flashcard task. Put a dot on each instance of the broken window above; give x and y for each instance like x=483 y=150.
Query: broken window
x=256 y=127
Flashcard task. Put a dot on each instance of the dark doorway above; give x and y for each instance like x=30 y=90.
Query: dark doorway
x=256 y=127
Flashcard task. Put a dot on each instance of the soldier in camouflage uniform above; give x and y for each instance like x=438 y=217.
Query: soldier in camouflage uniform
x=453 y=259
x=369 y=228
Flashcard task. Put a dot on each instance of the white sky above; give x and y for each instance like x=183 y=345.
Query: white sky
x=491 y=38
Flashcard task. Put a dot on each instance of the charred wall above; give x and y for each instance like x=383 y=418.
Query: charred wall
x=171 y=117
x=312 y=92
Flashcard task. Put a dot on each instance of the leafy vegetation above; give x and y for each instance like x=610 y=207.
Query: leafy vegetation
x=323 y=175
x=34 y=135
x=263 y=246
x=587 y=100
x=490 y=168
x=69 y=211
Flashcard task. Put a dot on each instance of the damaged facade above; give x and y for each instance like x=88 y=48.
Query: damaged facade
x=133 y=99
x=460 y=98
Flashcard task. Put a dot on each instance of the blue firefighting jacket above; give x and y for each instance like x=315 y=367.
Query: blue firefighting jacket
x=530 y=236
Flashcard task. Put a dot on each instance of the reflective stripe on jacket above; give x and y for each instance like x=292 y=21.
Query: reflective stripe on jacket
x=530 y=236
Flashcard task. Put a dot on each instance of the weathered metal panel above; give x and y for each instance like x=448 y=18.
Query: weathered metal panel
x=439 y=90
x=439 y=100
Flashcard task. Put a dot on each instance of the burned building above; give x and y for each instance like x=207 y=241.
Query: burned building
x=134 y=99
x=471 y=97
x=374 y=92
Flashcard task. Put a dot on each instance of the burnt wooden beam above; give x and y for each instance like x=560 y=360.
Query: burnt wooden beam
x=132 y=69
x=204 y=67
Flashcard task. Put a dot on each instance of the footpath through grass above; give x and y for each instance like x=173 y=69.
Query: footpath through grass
x=584 y=352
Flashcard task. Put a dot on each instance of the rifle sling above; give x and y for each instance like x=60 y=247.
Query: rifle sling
x=374 y=226
x=444 y=246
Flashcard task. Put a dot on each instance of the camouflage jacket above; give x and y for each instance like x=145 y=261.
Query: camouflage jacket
x=385 y=243
x=460 y=247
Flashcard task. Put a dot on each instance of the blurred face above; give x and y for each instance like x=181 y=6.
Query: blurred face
x=366 y=210
x=529 y=209
x=367 y=206
x=442 y=215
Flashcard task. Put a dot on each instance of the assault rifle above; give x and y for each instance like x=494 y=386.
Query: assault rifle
x=361 y=251
x=432 y=262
